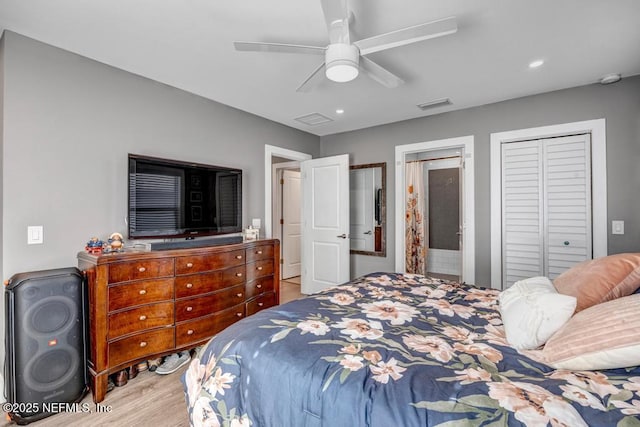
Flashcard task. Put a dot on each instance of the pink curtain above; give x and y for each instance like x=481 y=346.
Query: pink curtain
x=415 y=248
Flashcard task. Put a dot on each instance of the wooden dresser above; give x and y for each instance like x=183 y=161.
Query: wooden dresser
x=144 y=305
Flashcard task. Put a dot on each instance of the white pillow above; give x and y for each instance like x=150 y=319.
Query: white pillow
x=532 y=310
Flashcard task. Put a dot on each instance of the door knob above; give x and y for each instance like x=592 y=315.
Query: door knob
x=367 y=232
x=342 y=236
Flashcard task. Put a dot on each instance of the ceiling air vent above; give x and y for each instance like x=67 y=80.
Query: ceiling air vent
x=313 y=119
x=434 y=104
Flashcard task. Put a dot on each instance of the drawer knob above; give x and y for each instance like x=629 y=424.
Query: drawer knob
x=259 y=268
x=190 y=332
x=238 y=256
x=142 y=291
x=258 y=286
x=260 y=304
x=143 y=317
x=189 y=285
x=143 y=344
x=239 y=314
x=189 y=264
x=259 y=252
x=239 y=294
x=239 y=274
x=189 y=308
x=142 y=269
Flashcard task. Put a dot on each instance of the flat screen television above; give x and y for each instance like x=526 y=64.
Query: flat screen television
x=170 y=198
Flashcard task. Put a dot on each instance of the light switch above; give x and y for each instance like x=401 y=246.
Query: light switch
x=35 y=235
x=617 y=227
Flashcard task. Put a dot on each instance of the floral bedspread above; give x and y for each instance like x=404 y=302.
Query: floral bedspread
x=393 y=350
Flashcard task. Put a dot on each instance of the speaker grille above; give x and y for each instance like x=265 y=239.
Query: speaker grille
x=45 y=339
x=51 y=315
x=51 y=370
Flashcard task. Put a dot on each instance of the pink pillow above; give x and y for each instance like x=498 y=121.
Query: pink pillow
x=602 y=279
x=604 y=336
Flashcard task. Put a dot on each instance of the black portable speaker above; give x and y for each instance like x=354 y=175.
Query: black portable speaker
x=45 y=341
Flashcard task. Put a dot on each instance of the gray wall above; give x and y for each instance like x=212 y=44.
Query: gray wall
x=619 y=104
x=70 y=123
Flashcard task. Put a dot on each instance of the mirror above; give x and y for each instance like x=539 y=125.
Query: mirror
x=367 y=188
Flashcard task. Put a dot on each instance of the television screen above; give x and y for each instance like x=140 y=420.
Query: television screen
x=169 y=198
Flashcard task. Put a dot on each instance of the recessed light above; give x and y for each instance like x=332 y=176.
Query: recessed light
x=537 y=63
x=339 y=111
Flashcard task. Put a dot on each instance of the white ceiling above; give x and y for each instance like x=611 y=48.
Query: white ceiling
x=188 y=44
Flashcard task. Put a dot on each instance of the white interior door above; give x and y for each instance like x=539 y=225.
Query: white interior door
x=362 y=216
x=291 y=224
x=325 y=218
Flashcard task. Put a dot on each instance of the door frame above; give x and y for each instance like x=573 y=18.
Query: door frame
x=276 y=194
x=278 y=197
x=271 y=151
x=597 y=129
x=468 y=199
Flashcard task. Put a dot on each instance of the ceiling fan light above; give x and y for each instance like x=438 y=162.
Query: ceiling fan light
x=341 y=62
x=341 y=73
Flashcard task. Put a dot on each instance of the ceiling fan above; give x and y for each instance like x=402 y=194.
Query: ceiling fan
x=344 y=58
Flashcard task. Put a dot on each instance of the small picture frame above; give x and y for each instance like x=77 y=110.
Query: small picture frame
x=195 y=196
x=251 y=233
x=196 y=213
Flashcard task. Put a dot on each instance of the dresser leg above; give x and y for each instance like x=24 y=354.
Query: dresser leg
x=99 y=387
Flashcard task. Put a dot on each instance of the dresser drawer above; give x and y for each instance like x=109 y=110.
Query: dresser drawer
x=197 y=263
x=141 y=318
x=259 y=269
x=140 y=345
x=234 y=276
x=205 y=327
x=204 y=305
x=259 y=252
x=140 y=293
x=260 y=303
x=197 y=284
x=140 y=269
x=259 y=286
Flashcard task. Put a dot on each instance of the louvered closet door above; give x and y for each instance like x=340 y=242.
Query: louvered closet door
x=522 y=219
x=567 y=202
x=546 y=206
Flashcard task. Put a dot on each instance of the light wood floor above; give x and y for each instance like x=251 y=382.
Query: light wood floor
x=147 y=400
x=290 y=289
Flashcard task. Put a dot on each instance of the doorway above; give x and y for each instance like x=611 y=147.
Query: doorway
x=462 y=148
x=278 y=160
x=442 y=186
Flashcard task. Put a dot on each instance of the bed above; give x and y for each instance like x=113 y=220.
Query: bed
x=394 y=350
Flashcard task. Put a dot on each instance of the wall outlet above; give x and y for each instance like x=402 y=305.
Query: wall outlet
x=617 y=227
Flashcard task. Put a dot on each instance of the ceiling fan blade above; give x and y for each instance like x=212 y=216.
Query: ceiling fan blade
x=430 y=30
x=278 y=47
x=313 y=80
x=336 y=15
x=379 y=74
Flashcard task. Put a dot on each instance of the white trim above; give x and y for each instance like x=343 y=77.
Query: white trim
x=271 y=151
x=276 y=195
x=469 y=232
x=597 y=128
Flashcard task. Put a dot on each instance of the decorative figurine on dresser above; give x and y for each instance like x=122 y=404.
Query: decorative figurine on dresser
x=148 y=304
